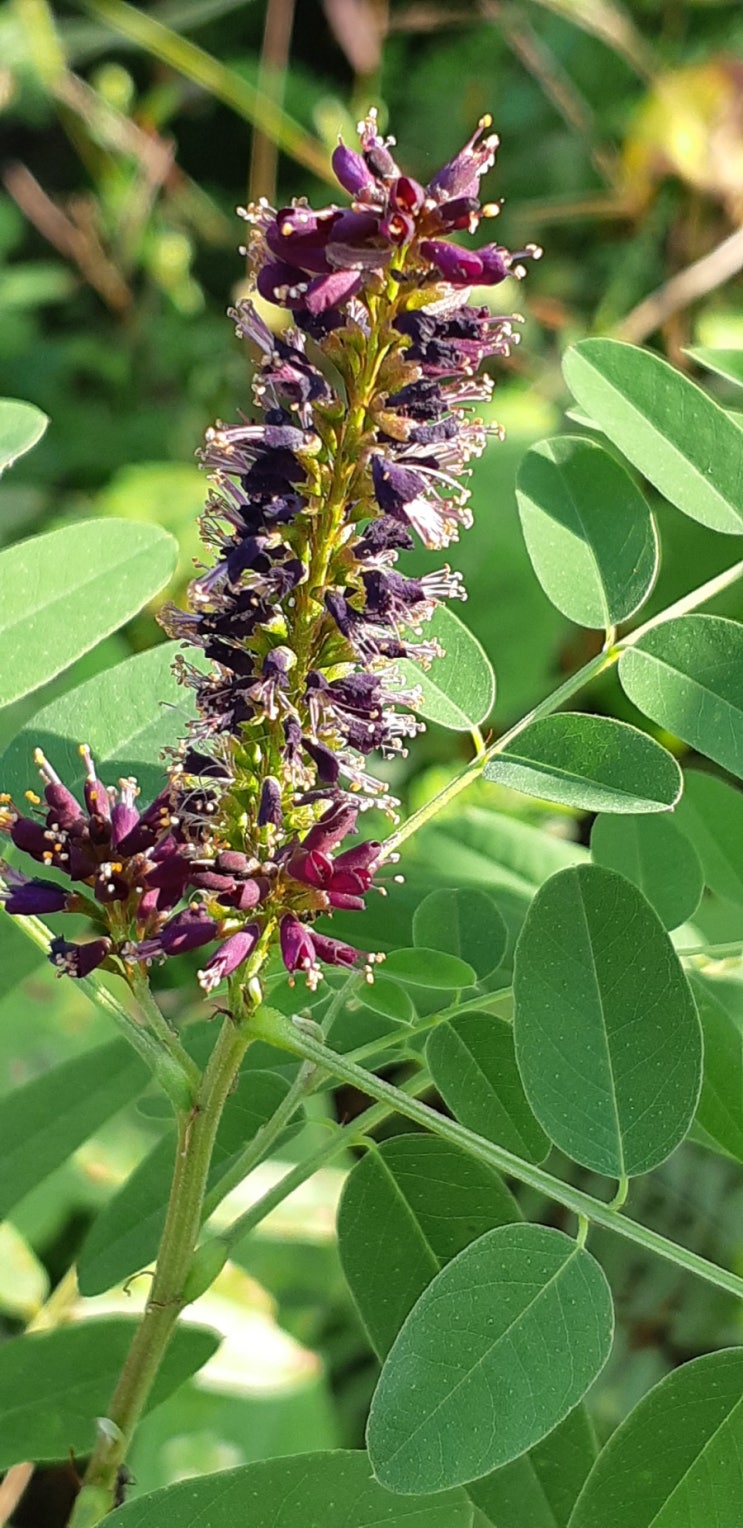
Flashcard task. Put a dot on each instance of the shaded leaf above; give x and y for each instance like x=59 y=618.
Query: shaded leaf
x=458 y=691
x=127 y=715
x=500 y=1347
x=539 y=1490
x=687 y=675
x=593 y=763
x=21 y=426
x=654 y=854
x=720 y=1108
x=681 y=441
x=473 y=1064
x=42 y=1123
x=332 y=1490
x=607 y=1036
x=62 y=592
x=726 y=363
x=53 y=1385
x=677 y=1459
x=711 y=815
x=588 y=530
x=407 y=1208
x=462 y=922
x=429 y=968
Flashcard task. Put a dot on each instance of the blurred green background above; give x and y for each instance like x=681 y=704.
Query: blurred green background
x=129 y=135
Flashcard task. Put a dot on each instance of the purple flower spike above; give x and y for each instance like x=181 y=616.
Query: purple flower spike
x=35 y=897
x=495 y=264
x=229 y=956
x=78 y=960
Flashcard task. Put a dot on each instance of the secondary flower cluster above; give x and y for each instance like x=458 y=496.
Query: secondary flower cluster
x=301 y=613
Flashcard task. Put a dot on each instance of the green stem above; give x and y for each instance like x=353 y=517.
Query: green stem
x=279 y=1031
x=343 y=1137
x=197 y=1130
x=161 y=1028
x=604 y=660
x=176 y=1080
x=257 y=1150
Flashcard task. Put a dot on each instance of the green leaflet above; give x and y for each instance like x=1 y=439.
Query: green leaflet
x=458 y=691
x=408 y=1207
x=654 y=854
x=21 y=426
x=127 y=715
x=104 y=571
x=43 y=1122
x=464 y=922
x=676 y=1460
x=687 y=675
x=676 y=436
x=593 y=763
x=500 y=1347
x=608 y=1041
x=472 y=1062
x=588 y=530
x=54 y=1385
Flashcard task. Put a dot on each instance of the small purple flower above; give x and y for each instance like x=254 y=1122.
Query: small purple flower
x=460 y=267
x=270 y=810
x=351 y=170
x=35 y=897
x=78 y=960
x=229 y=956
x=188 y=930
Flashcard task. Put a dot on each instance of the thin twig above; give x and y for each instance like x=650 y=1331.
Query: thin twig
x=703 y=276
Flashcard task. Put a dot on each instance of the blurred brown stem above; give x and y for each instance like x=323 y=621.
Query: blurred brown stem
x=264 y=154
x=703 y=276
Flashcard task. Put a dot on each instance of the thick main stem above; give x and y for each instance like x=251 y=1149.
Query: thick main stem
x=197 y=1130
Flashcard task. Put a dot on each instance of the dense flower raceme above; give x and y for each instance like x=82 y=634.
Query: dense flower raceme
x=364 y=444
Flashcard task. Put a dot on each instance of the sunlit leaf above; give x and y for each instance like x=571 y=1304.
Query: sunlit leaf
x=681 y=441
x=62 y=592
x=591 y=762
x=21 y=426
x=725 y=363
x=44 y=1121
x=607 y=1036
x=429 y=968
x=458 y=690
x=588 y=530
x=408 y=1207
x=687 y=675
x=127 y=715
x=500 y=1347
